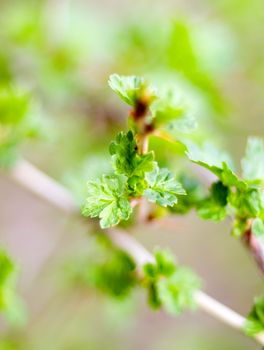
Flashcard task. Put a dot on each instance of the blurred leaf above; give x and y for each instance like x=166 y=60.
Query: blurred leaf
x=131 y=89
x=10 y=305
x=258 y=229
x=106 y=268
x=177 y=292
x=253 y=162
x=214 y=207
x=183 y=57
x=168 y=285
x=255 y=320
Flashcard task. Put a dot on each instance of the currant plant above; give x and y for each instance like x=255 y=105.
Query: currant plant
x=137 y=179
x=139 y=186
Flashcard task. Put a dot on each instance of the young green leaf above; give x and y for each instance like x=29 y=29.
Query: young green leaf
x=208 y=157
x=106 y=268
x=10 y=305
x=168 y=285
x=177 y=291
x=165 y=265
x=255 y=320
x=248 y=203
x=163 y=188
x=214 y=207
x=169 y=112
x=125 y=157
x=16 y=123
x=208 y=209
x=196 y=192
x=131 y=89
x=106 y=199
x=253 y=162
x=219 y=163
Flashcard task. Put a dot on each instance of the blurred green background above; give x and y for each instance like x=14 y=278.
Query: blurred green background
x=62 y=52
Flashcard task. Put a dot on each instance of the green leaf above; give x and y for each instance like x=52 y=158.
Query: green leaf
x=253 y=162
x=13 y=106
x=168 y=285
x=177 y=291
x=125 y=157
x=258 y=229
x=107 y=200
x=16 y=123
x=10 y=305
x=214 y=207
x=229 y=178
x=153 y=296
x=195 y=194
x=7 y=267
x=248 y=203
x=169 y=111
x=209 y=210
x=208 y=157
x=219 y=163
x=106 y=268
x=163 y=188
x=255 y=320
x=131 y=89
x=115 y=276
x=184 y=57
x=164 y=265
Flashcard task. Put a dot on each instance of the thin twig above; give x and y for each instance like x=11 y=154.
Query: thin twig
x=44 y=187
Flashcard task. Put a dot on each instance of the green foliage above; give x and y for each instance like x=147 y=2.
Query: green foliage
x=163 y=188
x=165 y=265
x=125 y=157
x=136 y=173
x=208 y=157
x=169 y=285
x=107 y=268
x=214 y=207
x=255 y=320
x=242 y=196
x=10 y=305
x=106 y=198
x=169 y=112
x=131 y=89
x=253 y=162
x=16 y=123
x=176 y=293
x=184 y=58
x=195 y=194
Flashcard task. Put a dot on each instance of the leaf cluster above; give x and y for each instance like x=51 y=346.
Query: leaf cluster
x=162 y=110
x=232 y=194
x=110 y=270
x=169 y=286
x=136 y=174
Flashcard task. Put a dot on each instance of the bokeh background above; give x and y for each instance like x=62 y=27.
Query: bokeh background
x=63 y=52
